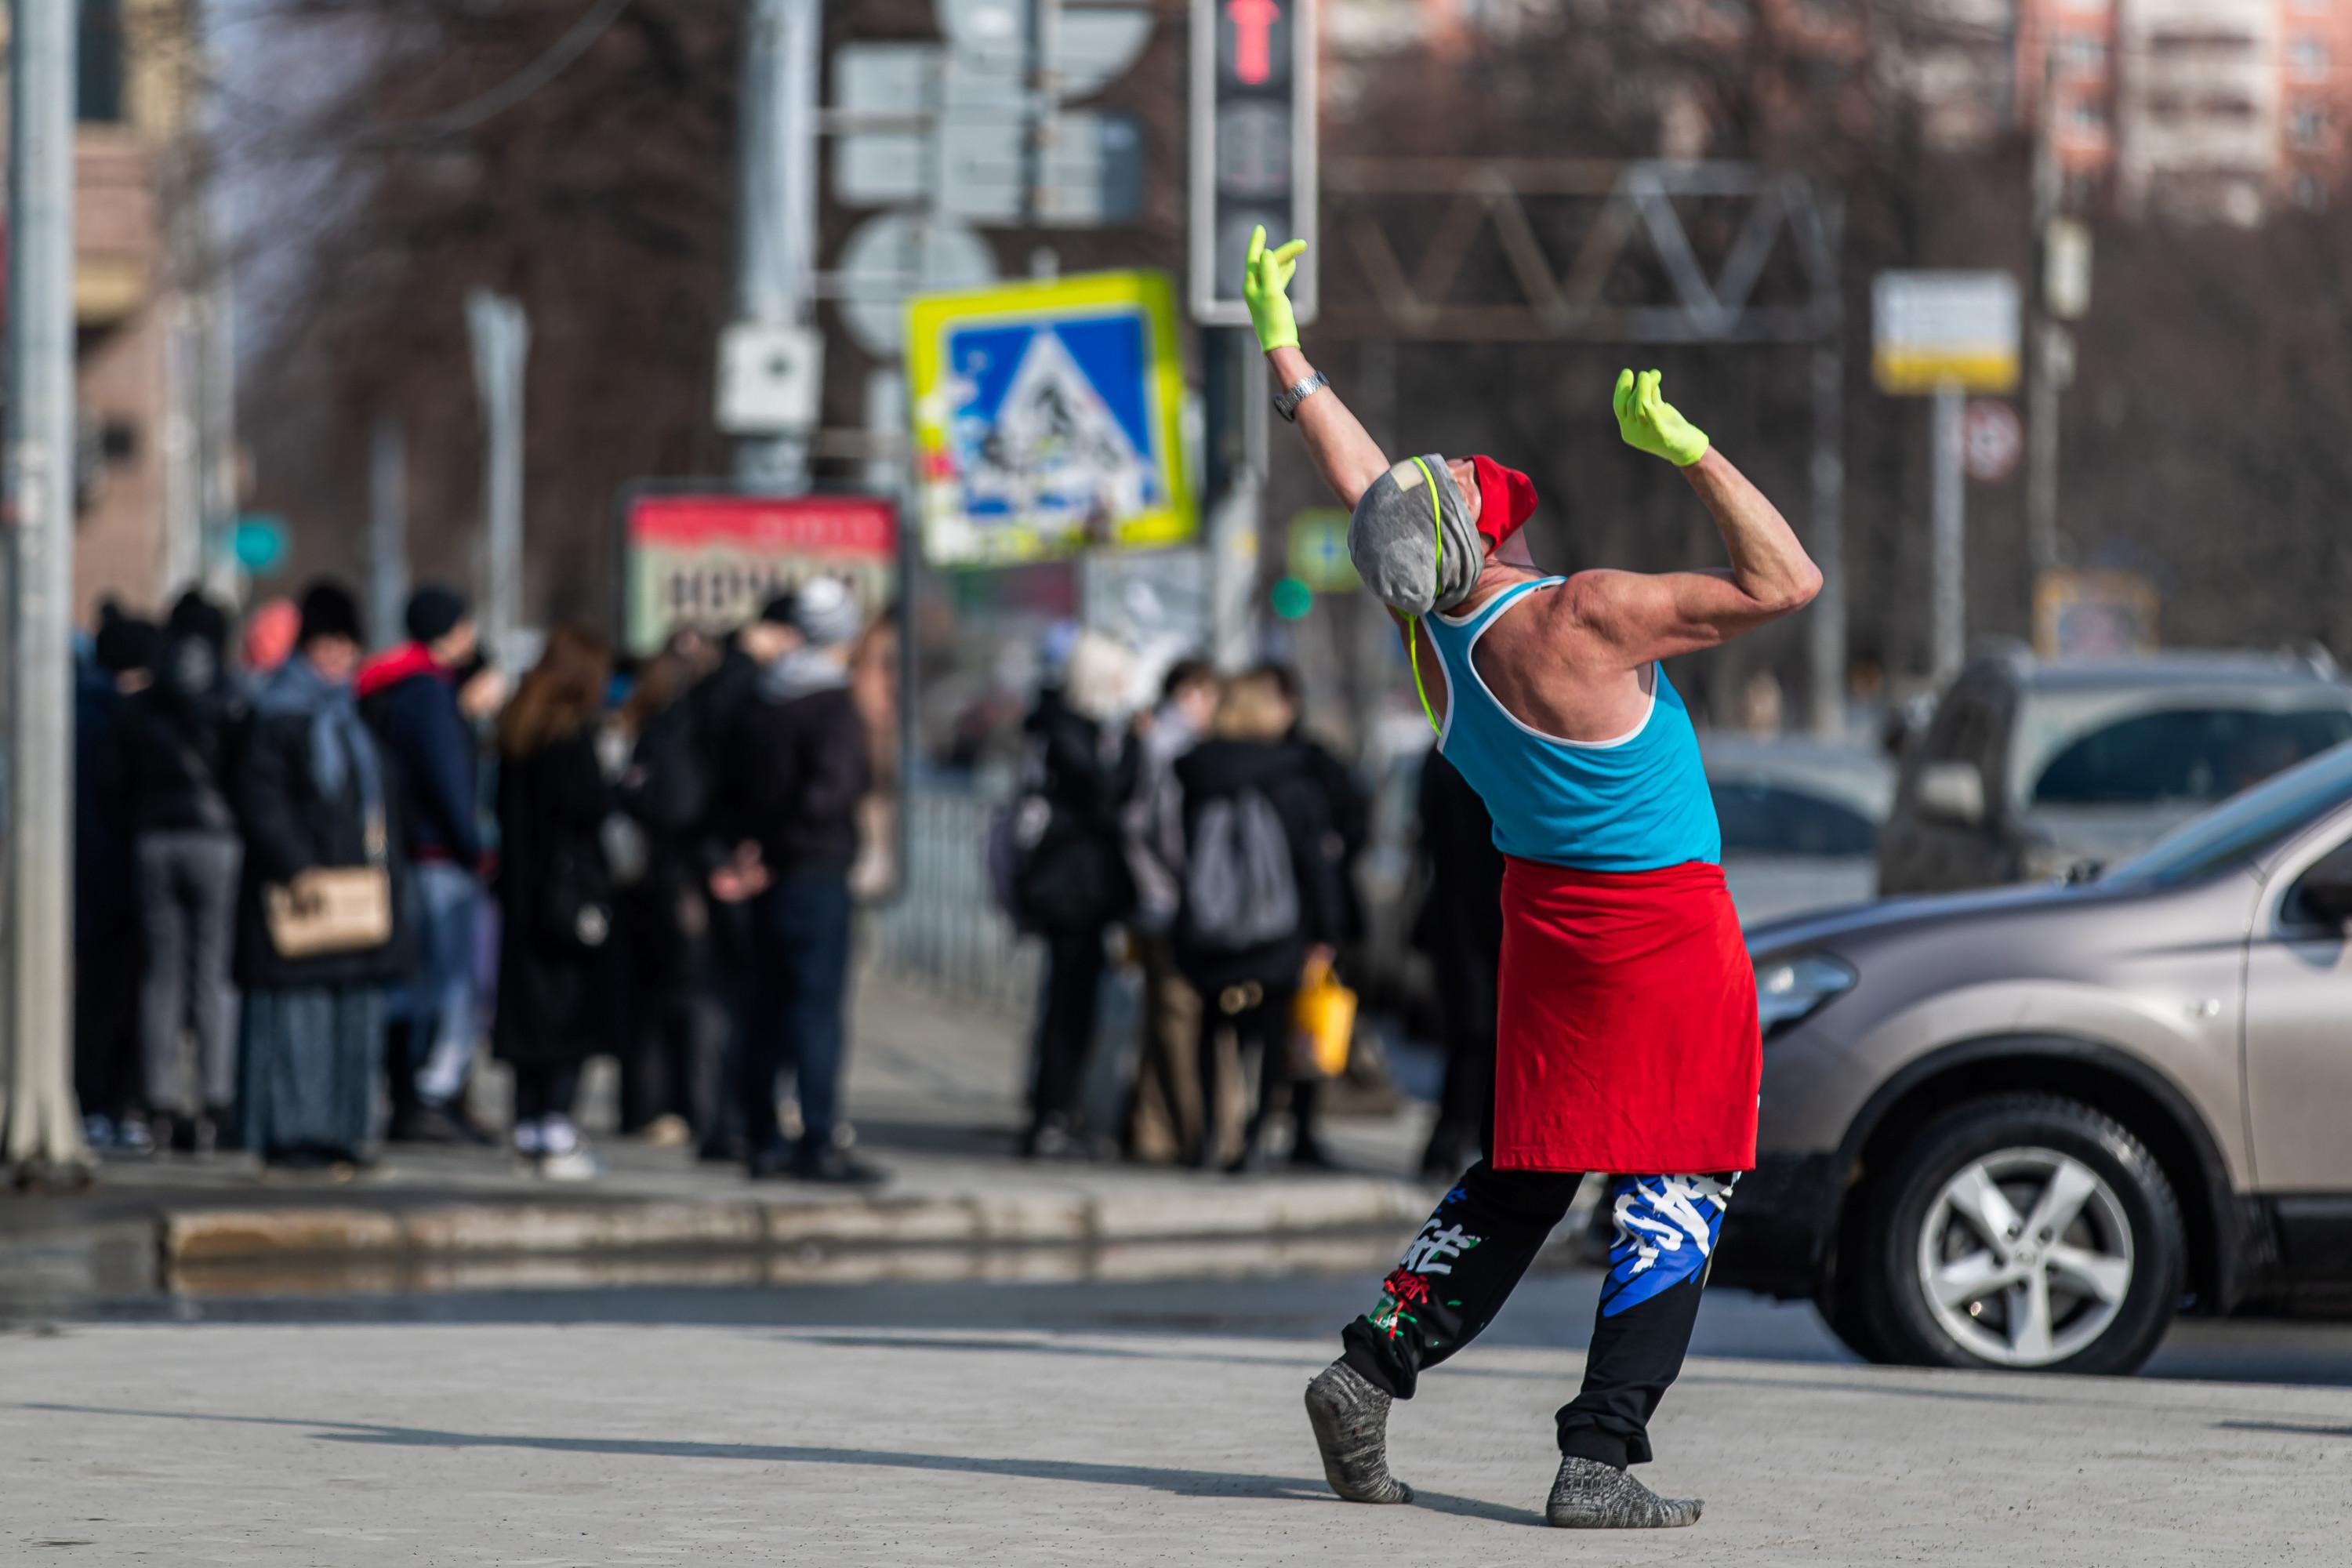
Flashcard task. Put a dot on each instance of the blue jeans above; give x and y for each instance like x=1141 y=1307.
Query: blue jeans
x=801 y=932
x=446 y=902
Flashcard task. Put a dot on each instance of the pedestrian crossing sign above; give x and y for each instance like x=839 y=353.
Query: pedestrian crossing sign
x=1047 y=418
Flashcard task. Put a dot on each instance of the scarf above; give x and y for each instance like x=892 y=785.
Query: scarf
x=341 y=747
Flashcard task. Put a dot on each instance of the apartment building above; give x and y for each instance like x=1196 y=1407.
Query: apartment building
x=2210 y=109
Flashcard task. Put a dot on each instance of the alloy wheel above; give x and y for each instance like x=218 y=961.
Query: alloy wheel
x=2026 y=1258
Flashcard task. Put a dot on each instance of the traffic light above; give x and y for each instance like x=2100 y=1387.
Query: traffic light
x=1253 y=147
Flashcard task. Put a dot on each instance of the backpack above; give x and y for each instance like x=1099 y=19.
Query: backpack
x=1240 y=891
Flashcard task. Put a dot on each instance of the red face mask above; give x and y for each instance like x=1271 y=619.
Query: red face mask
x=1507 y=499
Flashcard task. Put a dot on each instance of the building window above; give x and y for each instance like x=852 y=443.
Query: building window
x=2084 y=114
x=2307 y=126
x=2081 y=54
x=98 y=87
x=2308 y=56
x=2308 y=193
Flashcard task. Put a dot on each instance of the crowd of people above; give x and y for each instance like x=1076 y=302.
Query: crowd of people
x=311 y=881
x=1215 y=841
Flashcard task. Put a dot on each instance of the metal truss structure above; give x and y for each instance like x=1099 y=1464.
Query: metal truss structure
x=1629 y=273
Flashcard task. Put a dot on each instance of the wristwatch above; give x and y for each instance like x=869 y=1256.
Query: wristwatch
x=1287 y=402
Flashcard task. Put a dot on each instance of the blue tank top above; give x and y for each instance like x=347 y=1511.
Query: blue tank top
x=1634 y=803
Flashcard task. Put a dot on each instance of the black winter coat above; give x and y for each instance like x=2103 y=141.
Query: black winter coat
x=800 y=766
x=416 y=713
x=1347 y=818
x=1076 y=878
x=168 y=762
x=555 y=904
x=1284 y=772
x=290 y=828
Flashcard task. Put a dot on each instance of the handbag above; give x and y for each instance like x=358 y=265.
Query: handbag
x=331 y=909
x=1323 y=1026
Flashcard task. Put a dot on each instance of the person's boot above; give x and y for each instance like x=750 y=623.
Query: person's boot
x=1051 y=1137
x=1255 y=1159
x=835 y=1166
x=1351 y=1417
x=228 y=1138
x=1591 y=1495
x=1308 y=1154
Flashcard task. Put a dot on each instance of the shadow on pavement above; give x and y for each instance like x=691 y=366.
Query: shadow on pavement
x=1153 y=1478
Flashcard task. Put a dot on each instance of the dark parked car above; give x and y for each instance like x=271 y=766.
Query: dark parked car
x=2031 y=771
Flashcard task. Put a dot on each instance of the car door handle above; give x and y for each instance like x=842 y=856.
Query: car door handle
x=2210 y=1008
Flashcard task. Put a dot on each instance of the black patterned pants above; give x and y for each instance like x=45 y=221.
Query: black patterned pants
x=1470 y=1254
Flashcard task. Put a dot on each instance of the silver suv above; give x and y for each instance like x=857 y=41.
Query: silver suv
x=2023 y=1128
x=2031 y=771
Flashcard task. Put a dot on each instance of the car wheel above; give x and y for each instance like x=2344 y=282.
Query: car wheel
x=2025 y=1234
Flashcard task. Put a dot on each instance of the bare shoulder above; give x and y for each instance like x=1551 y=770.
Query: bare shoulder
x=1590 y=600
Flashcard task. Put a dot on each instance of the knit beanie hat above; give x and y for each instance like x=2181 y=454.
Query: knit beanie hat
x=124 y=643
x=329 y=611
x=194 y=616
x=825 y=612
x=433 y=612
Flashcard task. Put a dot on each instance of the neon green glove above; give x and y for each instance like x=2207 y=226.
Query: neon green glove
x=1264 y=275
x=1650 y=423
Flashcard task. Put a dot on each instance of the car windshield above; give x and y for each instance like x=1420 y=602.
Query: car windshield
x=2245 y=826
x=2185 y=754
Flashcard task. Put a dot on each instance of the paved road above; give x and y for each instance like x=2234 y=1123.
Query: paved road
x=1086 y=1425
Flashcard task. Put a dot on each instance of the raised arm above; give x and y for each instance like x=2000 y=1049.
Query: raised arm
x=1642 y=616
x=1348 y=459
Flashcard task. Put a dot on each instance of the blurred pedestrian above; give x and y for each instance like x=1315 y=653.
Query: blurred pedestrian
x=704 y=754
x=173 y=751
x=1164 y=1119
x=1261 y=902
x=106 y=1073
x=1073 y=883
x=668 y=1035
x=1460 y=926
x=1347 y=805
x=800 y=770
x=320 y=938
x=409 y=696
x=555 y=894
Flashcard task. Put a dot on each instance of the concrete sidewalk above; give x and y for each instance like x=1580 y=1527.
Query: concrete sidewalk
x=595 y=1445
x=933 y=1097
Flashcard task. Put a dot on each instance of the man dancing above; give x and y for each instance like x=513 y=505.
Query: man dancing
x=1626 y=1039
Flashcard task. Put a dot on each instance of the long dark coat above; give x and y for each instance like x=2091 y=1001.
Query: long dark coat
x=555 y=904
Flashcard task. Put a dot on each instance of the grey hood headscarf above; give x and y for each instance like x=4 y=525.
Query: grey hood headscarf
x=1414 y=556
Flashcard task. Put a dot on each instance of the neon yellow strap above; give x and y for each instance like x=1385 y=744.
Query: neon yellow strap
x=1413 y=632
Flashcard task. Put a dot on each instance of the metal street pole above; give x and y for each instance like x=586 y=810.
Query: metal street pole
x=217 y=435
x=501 y=337
x=1825 y=627
x=387 y=524
x=2042 y=385
x=775 y=267
x=1948 y=528
x=1238 y=410
x=42 y=1131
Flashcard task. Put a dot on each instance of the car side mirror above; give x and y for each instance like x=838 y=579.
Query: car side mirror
x=1952 y=792
x=2325 y=890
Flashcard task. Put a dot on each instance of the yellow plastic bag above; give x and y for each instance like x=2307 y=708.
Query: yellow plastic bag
x=1323 y=1024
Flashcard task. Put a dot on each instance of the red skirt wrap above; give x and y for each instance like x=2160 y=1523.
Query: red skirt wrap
x=1626 y=1037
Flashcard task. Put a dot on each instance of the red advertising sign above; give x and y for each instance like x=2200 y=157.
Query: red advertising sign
x=712 y=560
